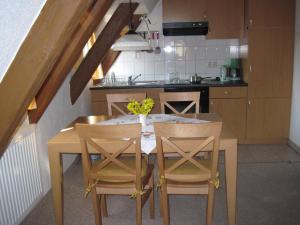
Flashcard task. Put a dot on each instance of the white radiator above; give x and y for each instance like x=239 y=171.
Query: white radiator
x=20 y=179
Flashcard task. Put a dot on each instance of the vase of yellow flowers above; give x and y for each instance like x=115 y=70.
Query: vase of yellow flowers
x=141 y=108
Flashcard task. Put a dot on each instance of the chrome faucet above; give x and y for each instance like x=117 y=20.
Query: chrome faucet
x=131 y=80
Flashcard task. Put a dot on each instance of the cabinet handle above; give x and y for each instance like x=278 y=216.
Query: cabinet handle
x=249 y=102
x=251 y=22
x=211 y=102
x=227 y=92
x=250 y=68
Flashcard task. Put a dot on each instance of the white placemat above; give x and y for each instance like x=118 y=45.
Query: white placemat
x=148 y=142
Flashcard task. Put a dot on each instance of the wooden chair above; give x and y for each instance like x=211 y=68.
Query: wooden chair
x=187 y=174
x=114 y=99
x=114 y=174
x=167 y=97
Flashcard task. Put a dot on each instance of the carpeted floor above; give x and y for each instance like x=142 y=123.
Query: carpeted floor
x=268 y=194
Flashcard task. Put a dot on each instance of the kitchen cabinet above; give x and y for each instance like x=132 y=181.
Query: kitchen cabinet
x=271 y=52
x=270 y=13
x=99 y=103
x=184 y=11
x=231 y=104
x=268 y=120
x=269 y=69
x=226 y=19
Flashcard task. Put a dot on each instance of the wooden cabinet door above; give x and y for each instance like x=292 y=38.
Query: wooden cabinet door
x=268 y=118
x=233 y=114
x=226 y=18
x=270 y=62
x=271 y=13
x=184 y=11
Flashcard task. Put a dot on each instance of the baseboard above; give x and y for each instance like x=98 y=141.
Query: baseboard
x=294 y=146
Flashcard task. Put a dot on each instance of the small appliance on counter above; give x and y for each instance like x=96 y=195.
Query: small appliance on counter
x=231 y=71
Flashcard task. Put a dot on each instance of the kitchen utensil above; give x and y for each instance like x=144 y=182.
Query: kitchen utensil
x=157 y=49
x=224 y=72
x=195 y=79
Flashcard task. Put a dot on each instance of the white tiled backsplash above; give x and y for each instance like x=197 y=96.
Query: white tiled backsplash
x=185 y=55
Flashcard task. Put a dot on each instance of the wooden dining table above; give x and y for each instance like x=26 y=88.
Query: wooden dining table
x=67 y=142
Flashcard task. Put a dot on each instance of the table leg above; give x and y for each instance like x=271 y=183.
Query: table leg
x=231 y=174
x=55 y=161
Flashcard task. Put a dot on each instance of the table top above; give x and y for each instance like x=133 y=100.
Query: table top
x=67 y=140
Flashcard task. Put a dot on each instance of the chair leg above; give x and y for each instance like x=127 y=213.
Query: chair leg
x=160 y=204
x=97 y=207
x=165 y=205
x=104 y=205
x=210 y=205
x=138 y=209
x=151 y=207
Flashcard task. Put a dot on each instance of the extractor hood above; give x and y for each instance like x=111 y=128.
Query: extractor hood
x=185 y=28
x=132 y=41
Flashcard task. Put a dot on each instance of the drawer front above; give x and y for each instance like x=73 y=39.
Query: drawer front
x=228 y=92
x=100 y=95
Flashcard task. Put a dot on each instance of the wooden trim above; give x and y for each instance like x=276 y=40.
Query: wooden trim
x=96 y=54
x=69 y=57
x=36 y=57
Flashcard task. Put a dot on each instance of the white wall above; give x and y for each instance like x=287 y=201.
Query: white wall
x=295 y=115
x=16 y=19
x=58 y=115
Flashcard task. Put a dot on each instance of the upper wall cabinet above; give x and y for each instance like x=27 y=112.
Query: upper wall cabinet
x=270 y=13
x=226 y=19
x=184 y=10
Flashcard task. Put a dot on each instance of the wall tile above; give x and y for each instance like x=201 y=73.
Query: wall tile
x=169 y=41
x=160 y=68
x=191 y=41
x=149 y=68
x=180 y=67
x=161 y=56
x=149 y=56
x=190 y=53
x=180 y=53
x=139 y=68
x=201 y=53
x=170 y=67
x=190 y=67
x=180 y=41
x=169 y=53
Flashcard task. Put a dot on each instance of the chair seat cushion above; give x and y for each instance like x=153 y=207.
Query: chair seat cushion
x=188 y=172
x=115 y=174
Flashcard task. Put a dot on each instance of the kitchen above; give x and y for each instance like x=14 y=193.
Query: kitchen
x=242 y=57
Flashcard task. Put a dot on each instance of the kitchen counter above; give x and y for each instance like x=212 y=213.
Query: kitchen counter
x=167 y=84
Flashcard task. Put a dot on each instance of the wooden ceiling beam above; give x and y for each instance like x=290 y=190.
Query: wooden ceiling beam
x=105 y=40
x=38 y=53
x=68 y=59
x=111 y=56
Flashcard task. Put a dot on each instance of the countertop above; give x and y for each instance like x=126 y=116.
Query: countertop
x=167 y=84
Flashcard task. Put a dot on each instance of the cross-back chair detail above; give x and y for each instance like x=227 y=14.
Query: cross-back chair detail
x=113 y=99
x=167 y=97
x=116 y=173
x=187 y=174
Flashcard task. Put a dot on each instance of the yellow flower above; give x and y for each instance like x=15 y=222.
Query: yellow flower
x=144 y=107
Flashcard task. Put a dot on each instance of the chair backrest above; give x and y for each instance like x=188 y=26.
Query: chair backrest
x=187 y=140
x=111 y=141
x=114 y=99
x=168 y=97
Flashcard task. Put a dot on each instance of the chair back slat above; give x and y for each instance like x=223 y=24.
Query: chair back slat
x=91 y=136
x=114 y=99
x=168 y=97
x=206 y=134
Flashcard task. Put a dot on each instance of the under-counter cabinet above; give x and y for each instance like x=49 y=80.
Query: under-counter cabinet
x=268 y=120
x=99 y=103
x=231 y=104
x=225 y=18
